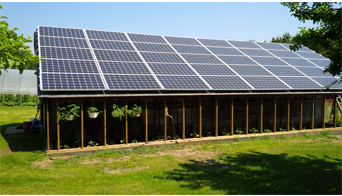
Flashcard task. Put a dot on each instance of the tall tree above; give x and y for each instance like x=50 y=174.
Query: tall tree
x=285 y=38
x=15 y=53
x=327 y=36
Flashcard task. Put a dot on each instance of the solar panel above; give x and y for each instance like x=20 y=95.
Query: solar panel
x=226 y=82
x=311 y=55
x=68 y=66
x=204 y=69
x=110 y=55
x=298 y=62
x=237 y=60
x=269 y=82
x=146 y=38
x=253 y=52
x=171 y=69
x=208 y=59
x=63 y=42
x=123 y=68
x=182 y=82
x=138 y=82
x=182 y=41
x=162 y=57
x=111 y=45
x=225 y=51
x=213 y=42
x=153 y=47
x=300 y=83
x=242 y=44
x=284 y=54
x=66 y=53
x=191 y=49
x=271 y=46
x=61 y=32
x=321 y=63
x=313 y=71
x=250 y=70
x=268 y=61
x=106 y=35
x=283 y=71
x=328 y=81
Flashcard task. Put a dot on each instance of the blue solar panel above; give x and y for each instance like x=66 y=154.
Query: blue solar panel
x=328 y=81
x=209 y=59
x=66 y=53
x=182 y=40
x=225 y=51
x=298 y=62
x=300 y=83
x=213 y=42
x=321 y=63
x=304 y=49
x=63 y=42
x=242 y=44
x=236 y=60
x=191 y=49
x=284 y=53
x=138 y=82
x=226 y=82
x=123 y=68
x=62 y=81
x=111 y=45
x=271 y=46
x=311 y=55
x=204 y=69
x=313 y=71
x=146 y=38
x=265 y=82
x=283 y=71
x=268 y=61
x=254 y=52
x=250 y=70
x=110 y=55
x=68 y=66
x=162 y=57
x=182 y=82
x=171 y=69
x=61 y=32
x=153 y=47
x=106 y=35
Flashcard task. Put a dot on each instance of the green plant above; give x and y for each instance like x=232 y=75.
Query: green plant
x=92 y=143
x=134 y=141
x=254 y=130
x=66 y=112
x=267 y=130
x=293 y=128
x=225 y=132
x=8 y=103
x=93 y=110
x=111 y=142
x=236 y=139
x=281 y=129
x=238 y=131
x=122 y=140
x=77 y=143
x=304 y=128
x=194 y=134
x=135 y=111
x=119 y=112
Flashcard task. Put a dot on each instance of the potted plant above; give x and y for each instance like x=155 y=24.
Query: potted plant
x=68 y=113
x=94 y=112
x=119 y=112
x=135 y=111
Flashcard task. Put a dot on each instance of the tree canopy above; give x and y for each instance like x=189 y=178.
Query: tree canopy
x=326 y=37
x=15 y=53
x=285 y=38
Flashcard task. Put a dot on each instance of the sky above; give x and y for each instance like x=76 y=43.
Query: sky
x=220 y=20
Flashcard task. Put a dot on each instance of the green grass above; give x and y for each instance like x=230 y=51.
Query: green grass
x=299 y=165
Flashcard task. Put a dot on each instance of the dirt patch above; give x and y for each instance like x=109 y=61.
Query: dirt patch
x=120 y=171
x=91 y=162
x=44 y=164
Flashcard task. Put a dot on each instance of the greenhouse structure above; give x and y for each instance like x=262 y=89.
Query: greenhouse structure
x=151 y=89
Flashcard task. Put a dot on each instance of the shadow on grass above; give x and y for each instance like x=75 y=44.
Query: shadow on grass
x=22 y=142
x=257 y=173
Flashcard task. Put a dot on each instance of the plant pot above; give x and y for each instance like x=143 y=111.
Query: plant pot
x=93 y=114
x=137 y=115
x=71 y=117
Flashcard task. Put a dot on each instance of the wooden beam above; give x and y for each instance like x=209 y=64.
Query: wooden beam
x=275 y=115
x=48 y=126
x=246 y=107
x=58 y=131
x=104 y=123
x=323 y=111
x=165 y=120
x=183 y=106
x=216 y=117
x=312 y=112
x=301 y=114
x=288 y=114
x=335 y=112
x=261 y=114
x=126 y=127
x=82 y=126
x=146 y=122
x=232 y=117
x=200 y=118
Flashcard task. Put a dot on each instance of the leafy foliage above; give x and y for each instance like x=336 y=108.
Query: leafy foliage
x=93 y=110
x=15 y=53
x=285 y=38
x=327 y=36
x=119 y=112
x=64 y=113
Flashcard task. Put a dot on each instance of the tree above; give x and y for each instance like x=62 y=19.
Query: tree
x=15 y=53
x=285 y=38
x=326 y=37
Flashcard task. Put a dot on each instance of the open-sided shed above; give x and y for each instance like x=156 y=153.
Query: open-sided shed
x=187 y=87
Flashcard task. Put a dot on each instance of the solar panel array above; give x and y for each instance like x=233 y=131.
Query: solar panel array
x=78 y=59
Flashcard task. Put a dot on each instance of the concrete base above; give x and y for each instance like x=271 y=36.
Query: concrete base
x=13 y=130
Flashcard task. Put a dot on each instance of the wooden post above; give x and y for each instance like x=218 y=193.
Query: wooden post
x=216 y=117
x=261 y=113
x=146 y=122
x=232 y=117
x=47 y=126
x=126 y=127
x=288 y=114
x=165 y=120
x=312 y=112
x=246 y=107
x=301 y=114
x=105 y=123
x=58 y=136
x=183 y=106
x=323 y=111
x=82 y=126
x=275 y=115
x=335 y=112
x=200 y=118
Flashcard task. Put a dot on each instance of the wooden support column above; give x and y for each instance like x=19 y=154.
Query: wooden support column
x=312 y=112
x=216 y=117
x=200 y=118
x=261 y=114
x=288 y=114
x=246 y=107
x=183 y=107
x=58 y=132
x=126 y=127
x=146 y=122
x=82 y=126
x=232 y=117
x=47 y=126
x=301 y=114
x=323 y=112
x=165 y=120
x=335 y=112
x=275 y=115
x=104 y=123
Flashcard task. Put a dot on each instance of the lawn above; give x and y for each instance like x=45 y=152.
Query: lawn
x=299 y=165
